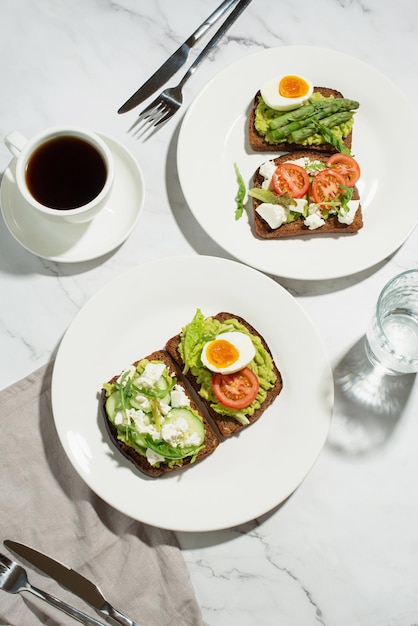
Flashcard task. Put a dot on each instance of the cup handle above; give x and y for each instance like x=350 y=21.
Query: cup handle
x=15 y=142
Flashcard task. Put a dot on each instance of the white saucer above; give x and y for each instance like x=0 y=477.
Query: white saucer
x=73 y=243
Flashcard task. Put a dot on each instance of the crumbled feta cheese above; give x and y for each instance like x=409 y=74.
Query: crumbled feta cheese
x=300 y=205
x=174 y=433
x=179 y=397
x=274 y=214
x=192 y=440
x=143 y=402
x=143 y=424
x=151 y=374
x=267 y=170
x=164 y=408
x=128 y=370
x=123 y=417
x=347 y=217
x=153 y=457
x=313 y=221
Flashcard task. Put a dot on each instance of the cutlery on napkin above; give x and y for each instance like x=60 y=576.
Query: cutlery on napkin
x=70 y=579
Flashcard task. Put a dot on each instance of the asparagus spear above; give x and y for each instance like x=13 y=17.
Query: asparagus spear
x=311 y=108
x=333 y=120
x=333 y=107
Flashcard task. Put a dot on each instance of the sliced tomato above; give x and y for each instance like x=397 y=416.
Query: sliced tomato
x=237 y=390
x=327 y=185
x=345 y=165
x=292 y=179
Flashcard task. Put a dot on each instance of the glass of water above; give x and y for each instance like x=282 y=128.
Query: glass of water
x=392 y=336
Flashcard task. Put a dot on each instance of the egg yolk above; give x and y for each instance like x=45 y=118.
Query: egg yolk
x=221 y=353
x=293 y=87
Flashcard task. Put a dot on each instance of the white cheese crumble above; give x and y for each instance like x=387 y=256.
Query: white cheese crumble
x=122 y=380
x=143 y=402
x=174 y=433
x=143 y=424
x=151 y=374
x=267 y=170
x=153 y=457
x=274 y=214
x=178 y=397
x=348 y=216
x=313 y=221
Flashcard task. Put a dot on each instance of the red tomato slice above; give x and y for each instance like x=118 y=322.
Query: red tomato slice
x=292 y=179
x=345 y=165
x=237 y=390
x=326 y=185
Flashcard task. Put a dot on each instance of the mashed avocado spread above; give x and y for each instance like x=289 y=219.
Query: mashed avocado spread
x=264 y=115
x=201 y=330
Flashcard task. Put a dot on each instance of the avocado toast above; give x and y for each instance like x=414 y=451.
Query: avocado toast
x=306 y=193
x=268 y=132
x=186 y=349
x=152 y=419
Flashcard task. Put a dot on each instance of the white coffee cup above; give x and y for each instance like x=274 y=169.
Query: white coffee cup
x=64 y=173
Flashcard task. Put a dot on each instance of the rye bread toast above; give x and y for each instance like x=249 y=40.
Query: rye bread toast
x=140 y=461
x=259 y=144
x=227 y=425
x=298 y=228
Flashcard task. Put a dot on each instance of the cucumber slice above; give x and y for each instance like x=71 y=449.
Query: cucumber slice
x=194 y=422
x=113 y=405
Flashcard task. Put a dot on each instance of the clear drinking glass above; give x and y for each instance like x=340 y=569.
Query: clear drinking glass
x=392 y=336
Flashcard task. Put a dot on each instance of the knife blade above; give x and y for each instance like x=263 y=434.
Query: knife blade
x=175 y=61
x=70 y=579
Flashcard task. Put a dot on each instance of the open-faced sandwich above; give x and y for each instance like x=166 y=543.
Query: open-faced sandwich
x=152 y=419
x=152 y=411
x=229 y=364
x=289 y=114
x=305 y=193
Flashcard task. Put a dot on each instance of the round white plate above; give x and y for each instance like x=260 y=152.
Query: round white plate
x=214 y=135
x=72 y=243
x=137 y=313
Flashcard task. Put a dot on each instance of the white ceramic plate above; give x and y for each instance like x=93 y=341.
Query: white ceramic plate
x=134 y=315
x=214 y=135
x=73 y=243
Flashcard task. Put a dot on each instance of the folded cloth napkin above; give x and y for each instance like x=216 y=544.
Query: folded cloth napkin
x=44 y=503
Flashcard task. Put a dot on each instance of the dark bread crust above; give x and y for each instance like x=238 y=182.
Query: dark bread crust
x=140 y=462
x=298 y=228
x=259 y=144
x=226 y=425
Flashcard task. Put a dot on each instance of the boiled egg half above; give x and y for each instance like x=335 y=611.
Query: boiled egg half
x=228 y=352
x=287 y=92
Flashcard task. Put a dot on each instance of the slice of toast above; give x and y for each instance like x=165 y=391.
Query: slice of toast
x=298 y=228
x=140 y=461
x=259 y=144
x=227 y=425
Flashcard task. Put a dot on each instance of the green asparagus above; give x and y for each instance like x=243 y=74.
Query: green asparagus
x=339 y=104
x=320 y=113
x=333 y=120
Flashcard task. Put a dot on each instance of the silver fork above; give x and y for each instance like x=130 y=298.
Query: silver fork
x=13 y=579
x=170 y=100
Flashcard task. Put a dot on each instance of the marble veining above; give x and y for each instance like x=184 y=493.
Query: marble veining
x=342 y=550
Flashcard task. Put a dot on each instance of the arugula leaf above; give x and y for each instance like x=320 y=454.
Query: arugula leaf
x=240 y=197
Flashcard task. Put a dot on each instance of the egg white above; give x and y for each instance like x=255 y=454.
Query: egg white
x=244 y=346
x=270 y=94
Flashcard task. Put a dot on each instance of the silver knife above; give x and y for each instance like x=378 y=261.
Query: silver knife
x=177 y=59
x=70 y=579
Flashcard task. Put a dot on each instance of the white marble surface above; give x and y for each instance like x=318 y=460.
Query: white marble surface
x=342 y=550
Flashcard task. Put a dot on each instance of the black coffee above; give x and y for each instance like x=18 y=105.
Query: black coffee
x=65 y=173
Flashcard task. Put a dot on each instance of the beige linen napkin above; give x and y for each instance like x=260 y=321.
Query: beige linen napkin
x=44 y=503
